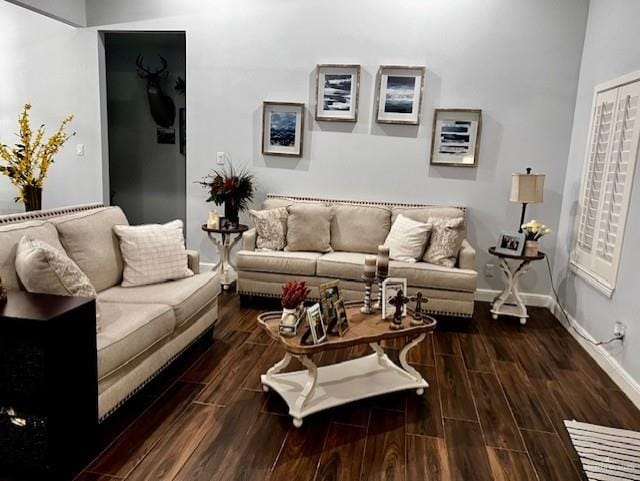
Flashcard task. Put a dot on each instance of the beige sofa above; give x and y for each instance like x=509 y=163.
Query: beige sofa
x=357 y=228
x=142 y=328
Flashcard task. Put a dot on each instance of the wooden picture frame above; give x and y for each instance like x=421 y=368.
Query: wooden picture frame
x=337 y=85
x=282 y=128
x=399 y=94
x=317 y=325
x=455 y=137
x=342 y=322
x=510 y=243
x=329 y=293
x=390 y=287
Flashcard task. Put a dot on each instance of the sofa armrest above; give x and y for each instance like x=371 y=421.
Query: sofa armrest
x=193 y=261
x=467 y=256
x=249 y=240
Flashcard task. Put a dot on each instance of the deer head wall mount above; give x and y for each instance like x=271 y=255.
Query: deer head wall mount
x=163 y=110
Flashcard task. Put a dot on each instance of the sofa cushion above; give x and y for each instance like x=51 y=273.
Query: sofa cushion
x=407 y=239
x=349 y=266
x=152 y=253
x=128 y=330
x=423 y=274
x=422 y=214
x=309 y=228
x=10 y=236
x=446 y=239
x=359 y=228
x=271 y=228
x=341 y=265
x=89 y=240
x=278 y=262
x=186 y=296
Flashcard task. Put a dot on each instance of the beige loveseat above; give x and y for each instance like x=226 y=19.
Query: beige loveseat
x=357 y=228
x=142 y=328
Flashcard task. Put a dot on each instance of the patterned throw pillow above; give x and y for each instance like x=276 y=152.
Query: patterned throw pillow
x=407 y=239
x=43 y=269
x=152 y=253
x=271 y=227
x=446 y=241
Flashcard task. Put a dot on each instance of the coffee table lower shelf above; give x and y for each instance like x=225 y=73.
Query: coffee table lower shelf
x=318 y=388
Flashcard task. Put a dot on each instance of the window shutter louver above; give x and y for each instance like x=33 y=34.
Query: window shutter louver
x=606 y=184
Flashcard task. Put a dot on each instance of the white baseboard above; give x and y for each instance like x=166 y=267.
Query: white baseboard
x=605 y=360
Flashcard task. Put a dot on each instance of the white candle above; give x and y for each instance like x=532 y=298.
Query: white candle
x=214 y=221
x=382 y=268
x=370 y=267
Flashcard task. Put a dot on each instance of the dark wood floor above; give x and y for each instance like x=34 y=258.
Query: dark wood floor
x=499 y=393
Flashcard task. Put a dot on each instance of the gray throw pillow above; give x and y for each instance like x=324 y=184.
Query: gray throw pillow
x=271 y=228
x=446 y=240
x=309 y=228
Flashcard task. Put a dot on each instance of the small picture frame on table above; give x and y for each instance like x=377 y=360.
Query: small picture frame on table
x=282 y=128
x=510 y=243
x=455 y=140
x=337 y=89
x=342 y=323
x=390 y=288
x=329 y=293
x=317 y=325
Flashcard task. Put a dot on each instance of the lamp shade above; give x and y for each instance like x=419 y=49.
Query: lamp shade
x=527 y=188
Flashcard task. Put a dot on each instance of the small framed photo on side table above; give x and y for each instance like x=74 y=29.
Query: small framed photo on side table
x=342 y=323
x=511 y=244
x=390 y=288
x=329 y=293
x=316 y=324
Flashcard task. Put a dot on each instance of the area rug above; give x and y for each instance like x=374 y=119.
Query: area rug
x=606 y=454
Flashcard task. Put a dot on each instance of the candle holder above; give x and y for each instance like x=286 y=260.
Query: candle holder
x=377 y=306
x=368 y=282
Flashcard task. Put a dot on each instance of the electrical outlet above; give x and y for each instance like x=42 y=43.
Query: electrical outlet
x=619 y=329
x=490 y=271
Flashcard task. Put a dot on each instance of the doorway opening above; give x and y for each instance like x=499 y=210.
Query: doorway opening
x=146 y=118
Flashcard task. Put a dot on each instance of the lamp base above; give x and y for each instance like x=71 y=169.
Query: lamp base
x=524 y=210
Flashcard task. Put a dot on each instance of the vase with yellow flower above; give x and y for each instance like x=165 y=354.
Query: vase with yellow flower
x=27 y=162
x=533 y=231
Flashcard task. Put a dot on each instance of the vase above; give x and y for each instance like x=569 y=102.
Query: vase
x=32 y=197
x=231 y=211
x=290 y=320
x=531 y=248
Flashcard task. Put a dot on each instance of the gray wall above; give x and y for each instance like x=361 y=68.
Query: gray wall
x=611 y=49
x=148 y=178
x=518 y=60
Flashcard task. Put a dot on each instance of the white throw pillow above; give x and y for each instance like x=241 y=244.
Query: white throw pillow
x=43 y=269
x=152 y=253
x=407 y=239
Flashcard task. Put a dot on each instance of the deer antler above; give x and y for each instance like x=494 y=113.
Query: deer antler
x=140 y=65
x=164 y=65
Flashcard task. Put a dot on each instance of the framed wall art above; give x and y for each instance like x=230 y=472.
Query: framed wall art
x=399 y=97
x=282 y=128
x=455 y=139
x=337 y=92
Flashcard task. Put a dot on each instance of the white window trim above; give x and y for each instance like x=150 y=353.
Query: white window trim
x=604 y=286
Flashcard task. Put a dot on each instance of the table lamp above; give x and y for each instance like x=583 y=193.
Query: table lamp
x=527 y=189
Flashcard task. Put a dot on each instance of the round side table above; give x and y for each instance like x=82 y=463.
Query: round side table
x=509 y=302
x=227 y=267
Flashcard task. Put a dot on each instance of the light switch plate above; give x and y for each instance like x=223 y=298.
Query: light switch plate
x=220 y=157
x=80 y=150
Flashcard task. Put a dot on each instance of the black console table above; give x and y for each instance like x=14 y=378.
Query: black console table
x=48 y=385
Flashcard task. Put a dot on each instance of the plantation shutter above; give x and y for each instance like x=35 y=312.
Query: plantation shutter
x=606 y=184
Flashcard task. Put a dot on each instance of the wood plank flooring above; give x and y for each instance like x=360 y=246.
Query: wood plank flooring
x=494 y=410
